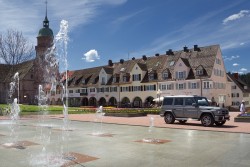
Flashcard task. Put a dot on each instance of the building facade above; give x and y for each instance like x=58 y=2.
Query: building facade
x=240 y=90
x=138 y=82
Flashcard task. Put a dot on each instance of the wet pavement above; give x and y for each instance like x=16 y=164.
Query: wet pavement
x=180 y=145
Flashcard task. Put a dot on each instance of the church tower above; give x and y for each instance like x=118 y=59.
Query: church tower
x=45 y=38
x=44 y=43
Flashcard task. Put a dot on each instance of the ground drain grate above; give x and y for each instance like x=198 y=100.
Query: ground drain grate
x=102 y=134
x=76 y=158
x=153 y=141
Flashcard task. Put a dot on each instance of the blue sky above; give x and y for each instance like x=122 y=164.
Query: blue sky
x=100 y=30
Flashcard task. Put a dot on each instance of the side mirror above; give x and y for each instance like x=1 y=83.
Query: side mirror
x=195 y=105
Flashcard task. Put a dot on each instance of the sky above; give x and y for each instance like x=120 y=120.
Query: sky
x=102 y=30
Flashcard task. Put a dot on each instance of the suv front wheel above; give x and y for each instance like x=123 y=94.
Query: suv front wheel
x=169 y=118
x=207 y=120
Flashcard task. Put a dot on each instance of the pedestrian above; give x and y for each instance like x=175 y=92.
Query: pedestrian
x=242 y=107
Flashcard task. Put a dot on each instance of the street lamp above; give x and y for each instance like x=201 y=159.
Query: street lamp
x=159 y=95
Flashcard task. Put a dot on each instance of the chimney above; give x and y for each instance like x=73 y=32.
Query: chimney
x=121 y=61
x=133 y=58
x=236 y=75
x=157 y=54
x=196 y=48
x=110 y=63
x=144 y=57
x=170 y=52
x=185 y=49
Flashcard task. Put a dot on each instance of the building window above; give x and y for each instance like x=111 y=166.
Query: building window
x=163 y=87
x=83 y=81
x=206 y=85
x=151 y=76
x=199 y=72
x=113 y=89
x=194 y=85
x=103 y=80
x=71 y=91
x=234 y=87
x=150 y=87
x=125 y=89
x=136 y=77
x=107 y=89
x=181 y=75
x=136 y=88
x=77 y=90
x=92 y=90
x=125 y=78
x=165 y=75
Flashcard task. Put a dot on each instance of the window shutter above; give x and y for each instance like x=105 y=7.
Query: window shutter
x=129 y=88
x=132 y=88
x=144 y=87
x=120 y=89
x=184 y=74
x=133 y=77
x=154 y=87
x=139 y=77
x=176 y=86
x=141 y=88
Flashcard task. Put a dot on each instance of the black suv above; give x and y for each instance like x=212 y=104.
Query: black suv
x=183 y=108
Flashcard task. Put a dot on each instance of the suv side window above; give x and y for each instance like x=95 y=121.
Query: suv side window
x=178 y=101
x=189 y=101
x=168 y=101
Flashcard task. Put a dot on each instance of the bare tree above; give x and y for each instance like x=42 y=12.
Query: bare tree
x=14 y=48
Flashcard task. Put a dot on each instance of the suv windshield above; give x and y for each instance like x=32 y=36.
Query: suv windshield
x=201 y=101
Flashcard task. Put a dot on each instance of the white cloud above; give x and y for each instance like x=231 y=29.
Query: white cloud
x=235 y=64
x=239 y=15
x=91 y=56
x=243 y=69
x=27 y=16
x=231 y=58
x=242 y=43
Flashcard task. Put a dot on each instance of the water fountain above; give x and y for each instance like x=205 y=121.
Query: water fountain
x=150 y=138
x=13 y=109
x=97 y=130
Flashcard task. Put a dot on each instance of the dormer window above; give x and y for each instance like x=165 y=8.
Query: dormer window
x=199 y=72
x=136 y=77
x=152 y=76
x=83 y=81
x=125 y=78
x=165 y=75
x=181 y=75
x=103 y=81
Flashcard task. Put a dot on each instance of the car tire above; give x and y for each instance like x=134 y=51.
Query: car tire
x=220 y=123
x=207 y=120
x=169 y=118
x=182 y=121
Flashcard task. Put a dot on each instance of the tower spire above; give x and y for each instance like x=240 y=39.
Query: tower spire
x=46 y=21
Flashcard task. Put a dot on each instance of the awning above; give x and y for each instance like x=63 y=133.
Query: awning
x=157 y=99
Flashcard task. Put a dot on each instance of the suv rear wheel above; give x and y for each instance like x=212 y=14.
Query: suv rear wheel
x=169 y=118
x=207 y=120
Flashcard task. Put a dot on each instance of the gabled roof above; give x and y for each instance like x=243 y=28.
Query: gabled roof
x=239 y=83
x=22 y=69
